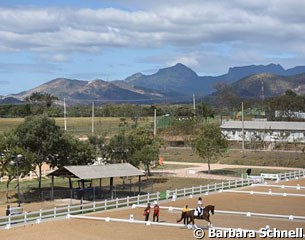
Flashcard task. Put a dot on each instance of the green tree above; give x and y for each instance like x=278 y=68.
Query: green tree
x=146 y=148
x=135 y=147
x=205 y=111
x=98 y=143
x=120 y=148
x=9 y=155
x=40 y=102
x=42 y=137
x=209 y=142
x=73 y=151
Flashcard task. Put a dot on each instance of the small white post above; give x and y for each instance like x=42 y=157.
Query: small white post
x=25 y=217
x=116 y=203
x=127 y=201
x=105 y=204
x=8 y=225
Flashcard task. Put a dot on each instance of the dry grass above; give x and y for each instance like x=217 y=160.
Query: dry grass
x=260 y=158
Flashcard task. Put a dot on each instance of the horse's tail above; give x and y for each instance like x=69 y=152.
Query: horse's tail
x=182 y=217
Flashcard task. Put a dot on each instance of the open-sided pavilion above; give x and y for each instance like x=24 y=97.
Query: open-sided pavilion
x=91 y=172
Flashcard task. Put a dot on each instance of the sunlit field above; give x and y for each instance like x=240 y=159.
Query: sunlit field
x=82 y=126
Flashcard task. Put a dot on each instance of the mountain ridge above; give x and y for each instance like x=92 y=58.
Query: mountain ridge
x=172 y=84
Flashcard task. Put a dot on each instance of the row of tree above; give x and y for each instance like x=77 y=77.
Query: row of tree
x=39 y=140
x=227 y=101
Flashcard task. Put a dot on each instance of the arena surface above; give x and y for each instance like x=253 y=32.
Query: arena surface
x=80 y=229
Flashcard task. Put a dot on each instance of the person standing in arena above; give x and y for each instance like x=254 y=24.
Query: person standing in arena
x=156 y=212
x=146 y=212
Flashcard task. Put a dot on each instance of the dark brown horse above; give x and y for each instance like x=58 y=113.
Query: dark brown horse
x=190 y=215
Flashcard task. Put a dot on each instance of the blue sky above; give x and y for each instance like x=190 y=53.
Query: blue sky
x=110 y=40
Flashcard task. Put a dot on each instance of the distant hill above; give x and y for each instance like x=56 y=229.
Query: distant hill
x=272 y=85
x=84 y=92
x=9 y=100
x=174 y=84
x=180 y=78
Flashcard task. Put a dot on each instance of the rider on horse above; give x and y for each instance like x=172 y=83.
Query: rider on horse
x=199 y=206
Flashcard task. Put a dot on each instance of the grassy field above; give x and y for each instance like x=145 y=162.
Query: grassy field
x=81 y=126
x=283 y=159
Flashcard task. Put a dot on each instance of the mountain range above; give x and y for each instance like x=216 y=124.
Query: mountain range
x=174 y=84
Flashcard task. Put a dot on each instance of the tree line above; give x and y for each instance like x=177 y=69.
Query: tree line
x=39 y=140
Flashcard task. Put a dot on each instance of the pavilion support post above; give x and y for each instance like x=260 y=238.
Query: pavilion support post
x=100 y=183
x=52 y=188
x=70 y=183
x=111 y=187
x=139 y=184
x=83 y=192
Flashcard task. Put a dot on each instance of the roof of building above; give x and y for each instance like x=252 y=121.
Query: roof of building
x=260 y=125
x=97 y=171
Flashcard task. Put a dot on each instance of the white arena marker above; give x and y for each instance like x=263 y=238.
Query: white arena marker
x=131 y=217
x=269 y=192
x=248 y=214
x=297 y=178
x=298 y=187
x=285 y=194
x=287 y=179
x=7 y=226
x=174 y=197
x=283 y=186
x=133 y=206
x=206 y=193
x=38 y=221
x=68 y=216
x=107 y=219
x=252 y=192
x=191 y=196
x=170 y=209
x=220 y=190
x=290 y=217
x=148 y=223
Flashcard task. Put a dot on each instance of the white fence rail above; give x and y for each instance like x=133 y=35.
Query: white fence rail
x=248 y=214
x=57 y=212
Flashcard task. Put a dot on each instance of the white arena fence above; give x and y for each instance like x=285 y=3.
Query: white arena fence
x=270 y=193
x=297 y=187
x=60 y=212
x=247 y=214
x=149 y=223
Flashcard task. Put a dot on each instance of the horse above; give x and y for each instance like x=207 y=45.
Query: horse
x=190 y=215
